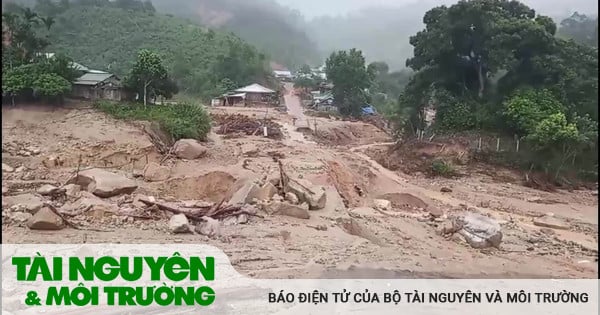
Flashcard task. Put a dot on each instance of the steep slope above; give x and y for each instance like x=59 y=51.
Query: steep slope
x=104 y=36
x=270 y=27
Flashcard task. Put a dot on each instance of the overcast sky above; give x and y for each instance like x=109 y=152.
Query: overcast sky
x=314 y=8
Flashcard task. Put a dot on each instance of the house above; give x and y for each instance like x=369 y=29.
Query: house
x=256 y=94
x=94 y=85
x=283 y=75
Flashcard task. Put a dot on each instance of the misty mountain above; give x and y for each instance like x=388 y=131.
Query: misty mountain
x=382 y=33
x=270 y=27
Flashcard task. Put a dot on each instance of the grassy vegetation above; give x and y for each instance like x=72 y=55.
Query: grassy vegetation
x=442 y=168
x=181 y=120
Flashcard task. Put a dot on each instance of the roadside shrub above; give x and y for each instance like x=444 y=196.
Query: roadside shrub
x=183 y=120
x=442 y=168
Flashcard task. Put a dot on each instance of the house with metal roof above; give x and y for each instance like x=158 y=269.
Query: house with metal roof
x=253 y=94
x=94 y=85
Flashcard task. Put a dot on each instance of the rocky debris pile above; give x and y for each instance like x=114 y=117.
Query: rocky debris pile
x=479 y=231
x=189 y=149
x=20 y=148
x=281 y=195
x=242 y=124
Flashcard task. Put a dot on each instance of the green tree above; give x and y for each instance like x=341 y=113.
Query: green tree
x=351 y=80
x=51 y=86
x=148 y=76
x=580 y=28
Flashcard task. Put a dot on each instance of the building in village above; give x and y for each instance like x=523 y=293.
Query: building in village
x=99 y=85
x=251 y=95
x=283 y=75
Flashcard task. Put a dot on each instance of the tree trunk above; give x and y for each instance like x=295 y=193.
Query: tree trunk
x=481 y=80
x=145 y=88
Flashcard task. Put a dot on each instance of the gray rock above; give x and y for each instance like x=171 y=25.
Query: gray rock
x=382 y=204
x=29 y=202
x=103 y=183
x=314 y=195
x=72 y=190
x=90 y=204
x=154 y=172
x=209 y=227
x=245 y=194
x=551 y=222
x=290 y=210
x=179 y=224
x=292 y=198
x=189 y=149
x=45 y=219
x=47 y=190
x=480 y=231
x=19 y=217
x=7 y=168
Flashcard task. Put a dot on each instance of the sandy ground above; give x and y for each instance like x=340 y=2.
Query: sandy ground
x=402 y=245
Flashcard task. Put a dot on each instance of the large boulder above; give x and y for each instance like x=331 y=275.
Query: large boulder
x=154 y=172
x=189 y=149
x=246 y=190
x=26 y=202
x=179 y=224
x=314 y=195
x=104 y=183
x=7 y=168
x=480 y=231
x=45 y=219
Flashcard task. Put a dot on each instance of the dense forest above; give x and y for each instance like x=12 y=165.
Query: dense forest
x=273 y=29
x=107 y=35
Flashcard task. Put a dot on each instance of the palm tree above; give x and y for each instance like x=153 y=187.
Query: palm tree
x=30 y=16
x=48 y=22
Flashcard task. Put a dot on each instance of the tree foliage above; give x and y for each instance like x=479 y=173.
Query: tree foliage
x=149 y=78
x=109 y=36
x=496 y=65
x=351 y=80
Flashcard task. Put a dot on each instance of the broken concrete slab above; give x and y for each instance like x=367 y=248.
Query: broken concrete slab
x=480 y=231
x=103 y=183
x=29 y=202
x=45 y=219
x=154 y=172
x=189 y=149
x=551 y=222
x=179 y=224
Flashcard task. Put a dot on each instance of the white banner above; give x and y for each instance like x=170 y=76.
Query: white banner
x=117 y=279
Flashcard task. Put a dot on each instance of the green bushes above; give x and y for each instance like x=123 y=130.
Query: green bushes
x=442 y=168
x=181 y=120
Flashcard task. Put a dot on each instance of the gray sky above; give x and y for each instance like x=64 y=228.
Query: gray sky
x=314 y=8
